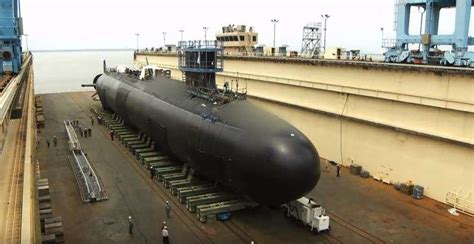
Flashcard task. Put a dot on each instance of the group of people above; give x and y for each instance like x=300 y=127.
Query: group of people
x=164 y=226
x=55 y=141
x=85 y=132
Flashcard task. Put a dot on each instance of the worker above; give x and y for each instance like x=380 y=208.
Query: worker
x=163 y=225
x=92 y=120
x=226 y=86
x=130 y=225
x=55 y=141
x=85 y=132
x=90 y=132
x=164 y=233
x=99 y=120
x=168 y=209
x=338 y=170
x=92 y=197
x=152 y=173
x=80 y=131
x=47 y=141
x=112 y=135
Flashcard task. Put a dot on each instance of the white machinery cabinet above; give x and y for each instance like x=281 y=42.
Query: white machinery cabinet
x=309 y=213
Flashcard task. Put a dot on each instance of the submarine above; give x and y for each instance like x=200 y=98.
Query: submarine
x=216 y=131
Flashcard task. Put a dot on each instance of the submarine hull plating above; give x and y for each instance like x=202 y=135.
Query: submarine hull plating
x=236 y=144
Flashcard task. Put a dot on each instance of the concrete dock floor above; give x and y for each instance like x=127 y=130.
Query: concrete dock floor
x=362 y=210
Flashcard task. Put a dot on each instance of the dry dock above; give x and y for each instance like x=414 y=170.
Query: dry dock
x=399 y=122
x=362 y=210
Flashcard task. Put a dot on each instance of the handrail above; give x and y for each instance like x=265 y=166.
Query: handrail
x=83 y=175
x=92 y=170
x=78 y=151
x=461 y=203
x=320 y=84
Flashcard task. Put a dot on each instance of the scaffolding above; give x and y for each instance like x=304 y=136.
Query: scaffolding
x=311 y=44
x=199 y=61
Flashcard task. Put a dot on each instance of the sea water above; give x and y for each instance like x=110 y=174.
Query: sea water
x=65 y=71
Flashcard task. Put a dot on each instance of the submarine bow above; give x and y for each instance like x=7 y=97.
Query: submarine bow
x=236 y=144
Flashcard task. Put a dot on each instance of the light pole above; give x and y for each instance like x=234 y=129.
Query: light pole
x=381 y=29
x=325 y=17
x=421 y=10
x=26 y=40
x=137 y=34
x=274 y=21
x=181 y=31
x=164 y=39
x=205 y=28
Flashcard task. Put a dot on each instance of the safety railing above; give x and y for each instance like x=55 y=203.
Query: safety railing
x=462 y=203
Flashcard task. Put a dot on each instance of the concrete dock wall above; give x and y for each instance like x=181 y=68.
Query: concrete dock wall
x=30 y=232
x=399 y=123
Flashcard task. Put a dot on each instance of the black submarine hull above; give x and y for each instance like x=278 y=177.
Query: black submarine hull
x=236 y=144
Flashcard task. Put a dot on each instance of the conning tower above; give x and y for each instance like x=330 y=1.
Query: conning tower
x=199 y=61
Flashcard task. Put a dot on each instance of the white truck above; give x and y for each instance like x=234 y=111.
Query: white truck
x=309 y=213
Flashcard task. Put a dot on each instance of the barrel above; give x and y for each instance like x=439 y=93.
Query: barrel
x=418 y=192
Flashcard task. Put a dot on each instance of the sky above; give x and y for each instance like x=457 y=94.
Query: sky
x=112 y=24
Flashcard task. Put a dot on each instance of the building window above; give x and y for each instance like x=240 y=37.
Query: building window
x=254 y=38
x=242 y=38
x=235 y=38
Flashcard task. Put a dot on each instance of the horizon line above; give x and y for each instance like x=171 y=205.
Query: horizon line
x=83 y=49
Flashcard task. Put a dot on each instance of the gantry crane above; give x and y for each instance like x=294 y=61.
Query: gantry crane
x=11 y=29
x=429 y=41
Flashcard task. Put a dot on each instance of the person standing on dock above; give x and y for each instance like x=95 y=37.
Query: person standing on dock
x=168 y=209
x=163 y=225
x=338 y=170
x=47 y=141
x=152 y=173
x=90 y=132
x=111 y=135
x=85 y=132
x=130 y=225
x=55 y=141
x=165 y=234
x=92 y=120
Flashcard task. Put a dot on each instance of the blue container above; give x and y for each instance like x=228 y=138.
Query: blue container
x=418 y=192
x=223 y=216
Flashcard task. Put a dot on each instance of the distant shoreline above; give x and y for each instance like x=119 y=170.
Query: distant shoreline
x=82 y=50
